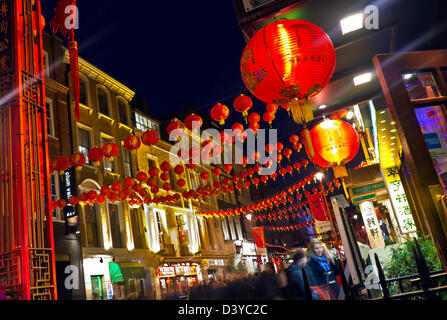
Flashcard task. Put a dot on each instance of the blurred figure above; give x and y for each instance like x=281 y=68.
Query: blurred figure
x=281 y=276
x=296 y=288
x=322 y=271
x=266 y=284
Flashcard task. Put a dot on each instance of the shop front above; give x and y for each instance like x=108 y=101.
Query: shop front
x=178 y=278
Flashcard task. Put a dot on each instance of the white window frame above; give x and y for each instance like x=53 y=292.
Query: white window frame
x=51 y=132
x=58 y=215
x=90 y=132
x=121 y=223
x=105 y=137
x=46 y=63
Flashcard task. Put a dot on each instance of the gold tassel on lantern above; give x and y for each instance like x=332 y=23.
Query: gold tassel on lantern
x=302 y=110
x=308 y=142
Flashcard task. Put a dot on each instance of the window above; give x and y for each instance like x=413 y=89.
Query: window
x=225 y=228
x=83 y=92
x=91 y=223
x=161 y=229
x=193 y=176
x=122 y=113
x=50 y=117
x=115 y=226
x=232 y=229
x=127 y=160
x=210 y=234
x=57 y=214
x=237 y=223
x=139 y=237
x=144 y=123
x=218 y=234
x=103 y=102
x=108 y=165
x=84 y=142
x=46 y=64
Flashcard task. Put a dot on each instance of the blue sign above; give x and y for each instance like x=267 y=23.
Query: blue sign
x=432 y=140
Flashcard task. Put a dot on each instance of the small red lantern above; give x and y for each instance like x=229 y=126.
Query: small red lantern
x=141 y=176
x=254 y=127
x=254 y=118
x=155 y=190
x=92 y=195
x=279 y=146
x=174 y=125
x=287 y=153
x=243 y=104
x=274 y=175
x=217 y=172
x=73 y=200
x=297 y=166
x=268 y=117
x=227 y=168
x=304 y=163
x=181 y=183
x=154 y=172
x=282 y=171
x=116 y=187
x=110 y=150
x=237 y=128
x=100 y=199
x=220 y=113
x=294 y=139
x=255 y=156
x=61 y=203
x=96 y=155
x=77 y=160
x=204 y=175
x=186 y=195
x=62 y=164
x=150 y=138
x=179 y=169
x=132 y=142
x=128 y=182
x=165 y=166
x=165 y=176
x=193 y=119
x=271 y=107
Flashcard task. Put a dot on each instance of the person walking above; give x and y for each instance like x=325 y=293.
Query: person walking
x=266 y=284
x=322 y=271
x=296 y=281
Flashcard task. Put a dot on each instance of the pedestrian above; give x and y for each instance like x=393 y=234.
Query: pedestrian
x=322 y=271
x=266 y=284
x=296 y=283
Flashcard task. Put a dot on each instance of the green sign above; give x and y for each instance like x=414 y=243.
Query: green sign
x=369 y=196
x=368 y=188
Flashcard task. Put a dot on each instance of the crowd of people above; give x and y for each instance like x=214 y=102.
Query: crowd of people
x=311 y=276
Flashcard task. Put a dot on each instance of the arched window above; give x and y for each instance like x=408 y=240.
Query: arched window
x=83 y=92
x=103 y=102
x=122 y=112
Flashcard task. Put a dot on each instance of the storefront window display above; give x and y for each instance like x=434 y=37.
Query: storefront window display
x=177 y=278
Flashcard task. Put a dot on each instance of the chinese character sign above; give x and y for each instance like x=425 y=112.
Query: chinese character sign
x=400 y=203
x=5 y=37
x=259 y=239
x=372 y=226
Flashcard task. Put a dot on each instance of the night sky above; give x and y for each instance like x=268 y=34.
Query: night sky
x=173 y=54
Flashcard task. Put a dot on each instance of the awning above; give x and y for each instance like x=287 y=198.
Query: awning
x=120 y=271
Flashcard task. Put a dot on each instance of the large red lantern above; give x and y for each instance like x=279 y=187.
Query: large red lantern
x=220 y=113
x=132 y=142
x=77 y=160
x=110 y=150
x=150 y=137
x=141 y=176
x=287 y=62
x=333 y=143
x=242 y=104
x=165 y=166
x=193 y=118
x=179 y=169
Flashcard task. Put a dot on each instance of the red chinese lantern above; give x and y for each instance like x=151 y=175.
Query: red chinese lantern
x=287 y=153
x=77 y=160
x=271 y=107
x=282 y=171
x=297 y=166
x=73 y=200
x=132 y=142
x=227 y=168
x=254 y=127
x=116 y=187
x=165 y=176
x=220 y=113
x=273 y=77
x=274 y=175
x=181 y=183
x=150 y=138
x=154 y=172
x=333 y=143
x=268 y=117
x=279 y=146
x=179 y=169
x=217 y=172
x=141 y=176
x=155 y=190
x=244 y=161
x=165 y=166
x=110 y=150
x=264 y=179
x=61 y=203
x=128 y=182
x=226 y=138
x=255 y=156
x=304 y=163
x=289 y=169
x=61 y=164
x=186 y=195
x=243 y=104
x=105 y=191
x=174 y=125
x=100 y=199
x=92 y=195
x=294 y=139
x=193 y=118
x=256 y=181
x=254 y=118
x=96 y=155
x=204 y=175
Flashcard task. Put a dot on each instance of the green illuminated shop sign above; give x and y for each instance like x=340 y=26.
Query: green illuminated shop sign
x=367 y=197
x=368 y=188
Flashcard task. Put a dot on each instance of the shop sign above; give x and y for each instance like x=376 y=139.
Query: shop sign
x=68 y=189
x=372 y=225
x=368 y=188
x=322 y=226
x=166 y=271
x=259 y=237
x=248 y=249
x=185 y=270
x=434 y=145
x=363 y=198
x=217 y=263
x=109 y=291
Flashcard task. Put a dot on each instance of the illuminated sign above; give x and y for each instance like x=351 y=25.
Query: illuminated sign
x=372 y=226
x=177 y=270
x=166 y=272
x=68 y=189
x=216 y=262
